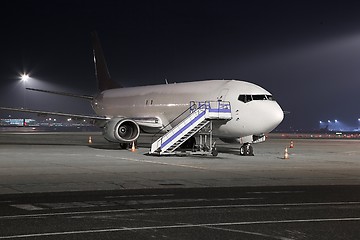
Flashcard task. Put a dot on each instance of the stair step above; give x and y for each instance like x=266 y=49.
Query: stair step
x=202 y=112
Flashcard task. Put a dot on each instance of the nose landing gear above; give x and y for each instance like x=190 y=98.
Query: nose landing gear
x=246 y=150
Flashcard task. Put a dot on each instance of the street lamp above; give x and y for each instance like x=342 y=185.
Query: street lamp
x=24 y=78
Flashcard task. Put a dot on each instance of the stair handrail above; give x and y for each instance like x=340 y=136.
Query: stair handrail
x=192 y=104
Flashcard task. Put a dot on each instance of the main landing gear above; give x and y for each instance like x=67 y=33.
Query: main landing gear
x=246 y=150
x=125 y=146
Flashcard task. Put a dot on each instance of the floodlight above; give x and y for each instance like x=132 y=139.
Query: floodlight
x=24 y=77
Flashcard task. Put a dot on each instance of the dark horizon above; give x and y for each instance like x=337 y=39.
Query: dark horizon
x=305 y=54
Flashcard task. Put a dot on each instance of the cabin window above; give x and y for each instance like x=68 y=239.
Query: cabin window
x=149 y=102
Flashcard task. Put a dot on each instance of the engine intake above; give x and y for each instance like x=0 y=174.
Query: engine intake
x=121 y=130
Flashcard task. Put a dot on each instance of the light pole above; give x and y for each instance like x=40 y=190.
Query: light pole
x=24 y=78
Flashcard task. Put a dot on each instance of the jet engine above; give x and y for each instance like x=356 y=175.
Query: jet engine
x=121 y=130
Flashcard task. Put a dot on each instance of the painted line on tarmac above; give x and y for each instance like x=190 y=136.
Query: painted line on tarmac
x=28 y=207
x=178 y=208
x=275 y=192
x=141 y=196
x=117 y=202
x=167 y=227
x=247 y=232
x=154 y=162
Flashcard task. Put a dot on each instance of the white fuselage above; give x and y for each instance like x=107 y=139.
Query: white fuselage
x=166 y=102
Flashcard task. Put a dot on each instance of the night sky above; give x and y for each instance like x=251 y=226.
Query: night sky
x=306 y=54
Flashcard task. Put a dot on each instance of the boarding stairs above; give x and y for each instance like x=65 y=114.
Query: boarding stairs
x=201 y=114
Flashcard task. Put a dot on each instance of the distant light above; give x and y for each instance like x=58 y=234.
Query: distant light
x=329 y=121
x=336 y=120
x=25 y=77
x=359 y=119
x=320 y=122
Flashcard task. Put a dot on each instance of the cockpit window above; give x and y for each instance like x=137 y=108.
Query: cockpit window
x=256 y=97
x=259 y=97
x=270 y=97
x=241 y=98
x=248 y=98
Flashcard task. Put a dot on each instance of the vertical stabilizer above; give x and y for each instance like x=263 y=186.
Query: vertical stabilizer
x=101 y=71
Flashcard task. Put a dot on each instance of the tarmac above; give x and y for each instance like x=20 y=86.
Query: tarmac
x=60 y=186
x=36 y=162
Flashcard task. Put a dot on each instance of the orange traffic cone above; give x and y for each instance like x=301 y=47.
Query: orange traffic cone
x=133 y=147
x=291 y=144
x=90 y=140
x=286 y=154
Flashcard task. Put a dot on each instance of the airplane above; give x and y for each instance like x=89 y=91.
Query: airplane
x=125 y=112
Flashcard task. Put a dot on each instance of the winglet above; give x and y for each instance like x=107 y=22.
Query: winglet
x=101 y=70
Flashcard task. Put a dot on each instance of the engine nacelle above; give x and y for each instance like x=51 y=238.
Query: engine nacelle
x=121 y=130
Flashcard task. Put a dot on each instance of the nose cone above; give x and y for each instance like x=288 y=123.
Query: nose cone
x=275 y=117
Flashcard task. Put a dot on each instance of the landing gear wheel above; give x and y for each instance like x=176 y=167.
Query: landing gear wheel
x=246 y=150
x=250 y=151
x=124 y=145
x=242 y=150
x=214 y=152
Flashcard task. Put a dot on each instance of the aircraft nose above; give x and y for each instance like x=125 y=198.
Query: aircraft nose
x=278 y=116
x=274 y=117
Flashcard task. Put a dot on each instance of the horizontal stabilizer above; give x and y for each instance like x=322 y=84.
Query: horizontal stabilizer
x=88 y=97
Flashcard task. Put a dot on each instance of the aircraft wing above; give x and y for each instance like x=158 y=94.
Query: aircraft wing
x=147 y=122
x=87 y=97
x=93 y=119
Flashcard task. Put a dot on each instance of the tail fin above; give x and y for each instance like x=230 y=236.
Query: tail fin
x=101 y=71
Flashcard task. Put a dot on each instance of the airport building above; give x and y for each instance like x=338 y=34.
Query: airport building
x=46 y=124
